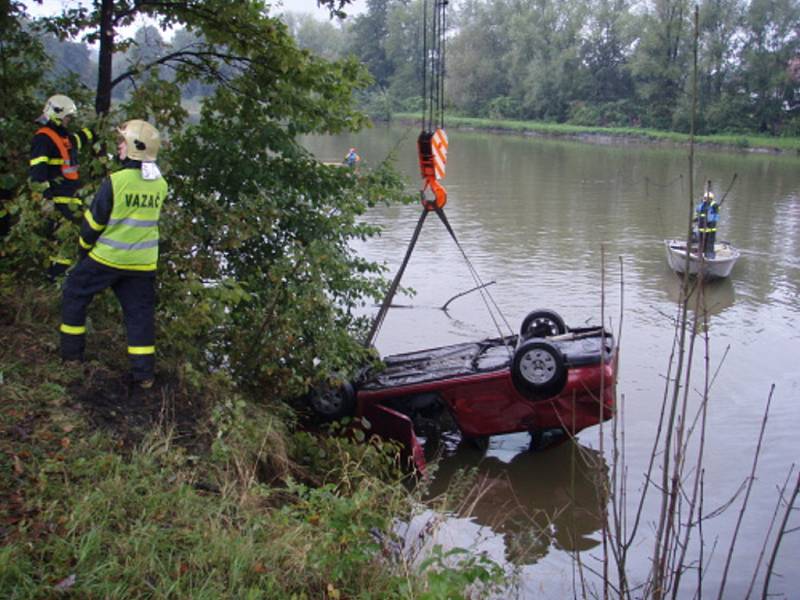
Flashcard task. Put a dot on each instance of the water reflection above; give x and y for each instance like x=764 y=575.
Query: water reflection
x=535 y=501
x=718 y=294
x=533 y=215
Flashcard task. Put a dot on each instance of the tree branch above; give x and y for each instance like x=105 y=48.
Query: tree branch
x=181 y=56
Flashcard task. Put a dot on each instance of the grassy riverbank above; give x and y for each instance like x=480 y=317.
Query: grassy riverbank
x=188 y=490
x=751 y=143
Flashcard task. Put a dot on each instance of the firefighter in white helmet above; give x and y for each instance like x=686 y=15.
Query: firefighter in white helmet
x=119 y=241
x=54 y=174
x=706 y=219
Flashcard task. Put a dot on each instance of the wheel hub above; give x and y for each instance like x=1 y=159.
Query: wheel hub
x=538 y=366
x=543 y=327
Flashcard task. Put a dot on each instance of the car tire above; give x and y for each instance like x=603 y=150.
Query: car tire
x=542 y=323
x=538 y=369
x=333 y=403
x=542 y=439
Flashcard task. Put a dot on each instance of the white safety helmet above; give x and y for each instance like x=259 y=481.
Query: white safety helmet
x=708 y=196
x=142 y=140
x=57 y=107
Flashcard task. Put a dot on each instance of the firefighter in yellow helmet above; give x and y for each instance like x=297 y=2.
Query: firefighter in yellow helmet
x=54 y=174
x=119 y=246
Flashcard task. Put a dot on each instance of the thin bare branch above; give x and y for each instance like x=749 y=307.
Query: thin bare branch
x=752 y=478
x=730 y=186
x=696 y=496
x=779 y=539
x=725 y=506
x=772 y=522
x=179 y=56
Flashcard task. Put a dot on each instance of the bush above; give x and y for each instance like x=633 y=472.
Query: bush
x=413 y=104
x=621 y=113
x=726 y=117
x=377 y=104
x=791 y=127
x=503 y=107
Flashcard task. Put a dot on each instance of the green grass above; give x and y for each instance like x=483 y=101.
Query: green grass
x=103 y=496
x=737 y=141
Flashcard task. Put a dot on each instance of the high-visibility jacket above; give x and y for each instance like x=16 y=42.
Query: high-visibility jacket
x=54 y=159
x=707 y=212
x=129 y=240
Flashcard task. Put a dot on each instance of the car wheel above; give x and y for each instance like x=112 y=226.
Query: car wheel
x=538 y=369
x=542 y=324
x=542 y=439
x=332 y=403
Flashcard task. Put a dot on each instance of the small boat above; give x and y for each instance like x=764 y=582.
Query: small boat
x=718 y=267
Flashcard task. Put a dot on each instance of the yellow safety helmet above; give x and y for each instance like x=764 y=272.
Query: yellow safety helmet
x=142 y=139
x=57 y=107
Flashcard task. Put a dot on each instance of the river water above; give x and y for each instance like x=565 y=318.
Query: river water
x=551 y=222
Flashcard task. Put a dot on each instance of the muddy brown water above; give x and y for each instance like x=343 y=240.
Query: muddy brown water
x=537 y=216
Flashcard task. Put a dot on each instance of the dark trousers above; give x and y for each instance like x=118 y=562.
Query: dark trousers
x=709 y=239
x=136 y=295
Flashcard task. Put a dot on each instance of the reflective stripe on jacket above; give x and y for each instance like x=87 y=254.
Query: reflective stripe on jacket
x=68 y=169
x=130 y=238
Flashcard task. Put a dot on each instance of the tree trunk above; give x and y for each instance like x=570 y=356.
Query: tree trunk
x=102 y=103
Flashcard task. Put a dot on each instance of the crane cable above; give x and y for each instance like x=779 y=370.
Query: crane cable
x=433 y=61
x=432 y=152
x=432 y=141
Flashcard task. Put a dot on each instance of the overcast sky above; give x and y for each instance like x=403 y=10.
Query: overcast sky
x=53 y=7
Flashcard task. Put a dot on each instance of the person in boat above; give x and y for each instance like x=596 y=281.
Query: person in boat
x=54 y=175
x=706 y=218
x=119 y=247
x=352 y=158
